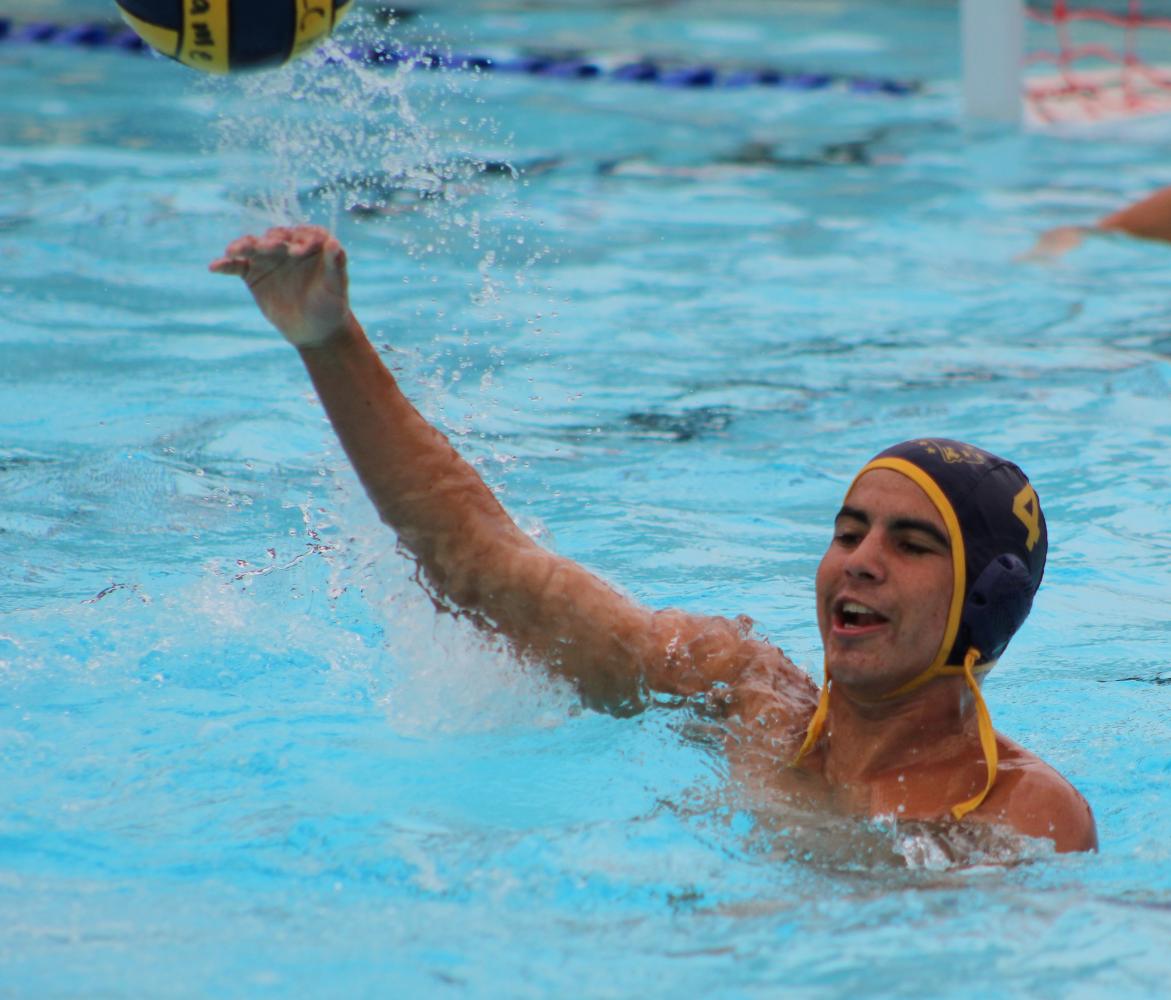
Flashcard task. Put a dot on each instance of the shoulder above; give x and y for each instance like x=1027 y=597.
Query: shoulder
x=1038 y=801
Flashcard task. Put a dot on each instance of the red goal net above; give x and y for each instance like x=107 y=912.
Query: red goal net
x=1096 y=60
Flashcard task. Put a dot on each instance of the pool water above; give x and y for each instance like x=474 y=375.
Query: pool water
x=242 y=756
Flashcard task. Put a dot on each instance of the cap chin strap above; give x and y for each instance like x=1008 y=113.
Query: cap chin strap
x=817 y=723
x=968 y=671
x=987 y=734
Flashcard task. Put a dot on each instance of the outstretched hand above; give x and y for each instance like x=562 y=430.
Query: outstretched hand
x=297 y=276
x=1055 y=242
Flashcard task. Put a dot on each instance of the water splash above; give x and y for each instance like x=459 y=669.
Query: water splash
x=408 y=157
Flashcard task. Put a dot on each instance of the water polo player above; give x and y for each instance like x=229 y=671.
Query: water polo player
x=936 y=554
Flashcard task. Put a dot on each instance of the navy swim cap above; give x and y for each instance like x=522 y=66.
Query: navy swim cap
x=998 y=539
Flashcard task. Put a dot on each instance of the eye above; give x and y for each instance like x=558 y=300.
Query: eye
x=847 y=538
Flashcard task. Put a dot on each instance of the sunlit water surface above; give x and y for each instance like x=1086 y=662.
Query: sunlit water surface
x=241 y=756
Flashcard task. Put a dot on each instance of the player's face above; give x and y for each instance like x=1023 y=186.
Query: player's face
x=884 y=585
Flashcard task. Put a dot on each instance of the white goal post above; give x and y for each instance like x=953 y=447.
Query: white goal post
x=993 y=34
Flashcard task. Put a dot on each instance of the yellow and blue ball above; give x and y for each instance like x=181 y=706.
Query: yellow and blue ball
x=223 y=36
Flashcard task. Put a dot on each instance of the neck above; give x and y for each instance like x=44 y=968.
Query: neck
x=866 y=739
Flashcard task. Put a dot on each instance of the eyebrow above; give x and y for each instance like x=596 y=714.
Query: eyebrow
x=898 y=524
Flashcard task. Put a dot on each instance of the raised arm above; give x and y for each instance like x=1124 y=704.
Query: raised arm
x=475 y=559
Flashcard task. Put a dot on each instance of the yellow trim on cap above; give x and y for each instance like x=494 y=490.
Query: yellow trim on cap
x=163 y=40
x=314 y=23
x=206 y=41
x=959 y=565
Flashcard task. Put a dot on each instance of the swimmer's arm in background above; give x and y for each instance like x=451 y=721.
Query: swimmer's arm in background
x=472 y=555
x=1147 y=219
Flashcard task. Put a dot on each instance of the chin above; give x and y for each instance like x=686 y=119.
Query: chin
x=866 y=677
x=851 y=672
x=853 y=679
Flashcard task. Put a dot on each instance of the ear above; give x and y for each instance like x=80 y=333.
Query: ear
x=998 y=603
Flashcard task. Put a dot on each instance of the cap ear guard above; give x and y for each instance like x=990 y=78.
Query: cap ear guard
x=998 y=603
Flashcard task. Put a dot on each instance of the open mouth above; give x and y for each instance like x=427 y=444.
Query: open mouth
x=854 y=615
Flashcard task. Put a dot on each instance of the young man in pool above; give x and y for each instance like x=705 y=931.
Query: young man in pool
x=936 y=553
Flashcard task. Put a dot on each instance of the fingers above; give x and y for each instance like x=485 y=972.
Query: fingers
x=277 y=245
x=335 y=256
x=228 y=265
x=285 y=241
x=306 y=240
x=235 y=258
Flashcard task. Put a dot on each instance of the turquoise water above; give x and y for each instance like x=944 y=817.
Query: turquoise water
x=240 y=755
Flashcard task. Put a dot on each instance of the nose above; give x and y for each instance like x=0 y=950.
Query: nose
x=865 y=561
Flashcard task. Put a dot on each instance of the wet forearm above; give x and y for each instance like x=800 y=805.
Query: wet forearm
x=442 y=511
x=478 y=560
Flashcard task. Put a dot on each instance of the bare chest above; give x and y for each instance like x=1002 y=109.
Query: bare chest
x=765 y=769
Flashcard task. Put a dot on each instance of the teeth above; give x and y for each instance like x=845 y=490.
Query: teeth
x=854 y=608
